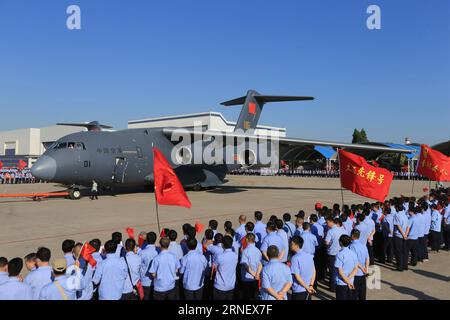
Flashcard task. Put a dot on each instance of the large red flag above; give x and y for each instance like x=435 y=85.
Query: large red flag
x=22 y=164
x=361 y=178
x=168 y=188
x=433 y=164
x=86 y=253
x=1 y=165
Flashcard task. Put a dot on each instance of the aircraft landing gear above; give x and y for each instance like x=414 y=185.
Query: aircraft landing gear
x=75 y=194
x=197 y=187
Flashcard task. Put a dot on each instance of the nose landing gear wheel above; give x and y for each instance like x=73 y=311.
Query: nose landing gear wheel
x=75 y=194
x=197 y=187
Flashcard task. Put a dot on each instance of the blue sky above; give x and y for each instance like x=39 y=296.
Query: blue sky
x=139 y=59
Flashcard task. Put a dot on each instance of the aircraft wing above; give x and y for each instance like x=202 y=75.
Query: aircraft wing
x=288 y=142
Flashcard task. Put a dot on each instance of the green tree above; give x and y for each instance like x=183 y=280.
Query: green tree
x=359 y=136
x=356 y=136
x=363 y=135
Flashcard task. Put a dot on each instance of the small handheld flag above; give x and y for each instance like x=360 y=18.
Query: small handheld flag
x=130 y=232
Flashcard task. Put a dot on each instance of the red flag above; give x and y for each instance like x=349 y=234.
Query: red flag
x=168 y=188
x=86 y=253
x=1 y=165
x=140 y=240
x=244 y=242
x=433 y=164
x=163 y=233
x=22 y=164
x=352 y=215
x=361 y=178
x=140 y=290
x=199 y=227
x=130 y=232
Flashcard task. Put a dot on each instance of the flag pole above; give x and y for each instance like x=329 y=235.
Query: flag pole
x=412 y=189
x=156 y=200
x=79 y=253
x=157 y=214
x=340 y=169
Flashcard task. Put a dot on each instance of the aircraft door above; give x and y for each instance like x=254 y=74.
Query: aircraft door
x=119 y=173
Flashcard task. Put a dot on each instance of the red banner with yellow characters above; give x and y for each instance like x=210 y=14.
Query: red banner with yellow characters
x=433 y=164
x=362 y=178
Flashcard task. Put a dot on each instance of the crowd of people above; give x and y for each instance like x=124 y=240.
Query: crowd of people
x=318 y=173
x=15 y=176
x=284 y=258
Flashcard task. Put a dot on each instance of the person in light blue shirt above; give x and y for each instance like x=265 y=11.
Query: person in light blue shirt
x=421 y=241
x=272 y=238
x=320 y=258
x=400 y=226
x=30 y=261
x=240 y=231
x=285 y=239
x=251 y=267
x=4 y=277
x=372 y=229
x=426 y=212
x=133 y=262
x=164 y=269
x=213 y=224
x=190 y=233
x=260 y=228
x=174 y=247
x=387 y=229
x=303 y=271
x=435 y=228
x=225 y=265
x=346 y=265
x=61 y=288
x=147 y=256
x=412 y=236
x=332 y=243
x=67 y=248
x=193 y=267
x=14 y=288
x=110 y=274
x=42 y=275
x=362 y=254
x=316 y=228
x=309 y=240
x=347 y=223
x=288 y=226
x=363 y=228
x=117 y=238
x=276 y=278
x=216 y=247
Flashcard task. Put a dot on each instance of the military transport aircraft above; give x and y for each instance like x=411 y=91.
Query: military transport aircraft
x=123 y=158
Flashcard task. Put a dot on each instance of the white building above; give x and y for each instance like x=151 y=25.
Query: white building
x=28 y=144
x=208 y=120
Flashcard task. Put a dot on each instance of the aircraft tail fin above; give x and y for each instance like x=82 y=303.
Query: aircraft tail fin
x=253 y=104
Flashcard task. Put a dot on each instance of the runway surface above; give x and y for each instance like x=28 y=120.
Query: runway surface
x=26 y=224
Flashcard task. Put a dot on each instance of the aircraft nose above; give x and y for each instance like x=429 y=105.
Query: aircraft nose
x=44 y=168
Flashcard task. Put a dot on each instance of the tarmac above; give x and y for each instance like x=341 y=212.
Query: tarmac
x=27 y=224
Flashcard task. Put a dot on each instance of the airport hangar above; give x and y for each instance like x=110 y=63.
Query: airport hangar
x=29 y=143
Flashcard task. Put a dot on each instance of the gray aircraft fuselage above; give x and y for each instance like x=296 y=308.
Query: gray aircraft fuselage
x=116 y=159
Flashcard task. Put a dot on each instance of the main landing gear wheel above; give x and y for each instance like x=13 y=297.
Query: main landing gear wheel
x=197 y=187
x=75 y=194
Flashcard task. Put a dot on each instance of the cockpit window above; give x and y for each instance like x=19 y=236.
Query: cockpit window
x=80 y=146
x=61 y=145
x=70 y=145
